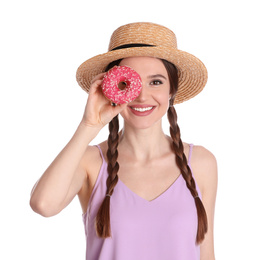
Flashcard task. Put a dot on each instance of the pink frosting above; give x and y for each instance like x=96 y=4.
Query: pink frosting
x=121 y=74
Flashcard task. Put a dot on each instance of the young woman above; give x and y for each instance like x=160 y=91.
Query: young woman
x=144 y=195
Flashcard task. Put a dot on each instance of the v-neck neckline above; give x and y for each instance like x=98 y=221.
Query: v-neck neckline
x=162 y=194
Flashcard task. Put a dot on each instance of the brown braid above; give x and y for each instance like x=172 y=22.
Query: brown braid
x=181 y=161
x=103 y=216
x=102 y=223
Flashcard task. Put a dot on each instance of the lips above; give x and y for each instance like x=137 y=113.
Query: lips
x=141 y=110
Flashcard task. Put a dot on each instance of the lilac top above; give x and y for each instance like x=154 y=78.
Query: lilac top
x=162 y=229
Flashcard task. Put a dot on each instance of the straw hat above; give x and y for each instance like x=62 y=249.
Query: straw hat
x=152 y=40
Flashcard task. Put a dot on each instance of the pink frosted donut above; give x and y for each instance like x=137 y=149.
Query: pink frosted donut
x=121 y=84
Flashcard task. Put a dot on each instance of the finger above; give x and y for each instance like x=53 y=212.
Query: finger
x=98 y=77
x=119 y=108
x=95 y=85
x=96 y=82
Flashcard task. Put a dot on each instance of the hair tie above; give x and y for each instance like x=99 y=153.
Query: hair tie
x=108 y=195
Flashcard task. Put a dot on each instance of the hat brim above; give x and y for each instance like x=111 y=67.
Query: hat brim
x=192 y=72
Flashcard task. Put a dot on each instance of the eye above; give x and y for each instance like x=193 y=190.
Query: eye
x=156 y=82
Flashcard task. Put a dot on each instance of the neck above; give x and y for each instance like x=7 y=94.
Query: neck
x=144 y=144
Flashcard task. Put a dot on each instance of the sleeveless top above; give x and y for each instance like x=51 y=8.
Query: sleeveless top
x=162 y=229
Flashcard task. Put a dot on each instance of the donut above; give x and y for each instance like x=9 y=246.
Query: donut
x=121 y=84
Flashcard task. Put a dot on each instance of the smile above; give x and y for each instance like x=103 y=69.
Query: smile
x=142 y=109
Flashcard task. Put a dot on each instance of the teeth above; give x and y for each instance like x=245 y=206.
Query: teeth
x=139 y=109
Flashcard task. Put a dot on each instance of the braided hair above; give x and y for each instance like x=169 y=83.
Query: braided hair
x=103 y=216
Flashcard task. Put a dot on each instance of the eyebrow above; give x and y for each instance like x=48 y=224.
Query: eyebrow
x=157 y=76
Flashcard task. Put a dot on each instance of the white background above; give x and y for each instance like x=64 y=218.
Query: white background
x=43 y=43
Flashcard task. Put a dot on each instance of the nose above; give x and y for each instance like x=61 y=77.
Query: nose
x=143 y=94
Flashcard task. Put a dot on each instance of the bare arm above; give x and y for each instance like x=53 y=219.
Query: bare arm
x=205 y=170
x=65 y=176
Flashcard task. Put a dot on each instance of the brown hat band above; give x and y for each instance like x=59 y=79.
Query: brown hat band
x=131 y=45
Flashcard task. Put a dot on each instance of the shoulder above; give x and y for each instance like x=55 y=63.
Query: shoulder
x=91 y=153
x=204 y=167
x=92 y=159
x=202 y=156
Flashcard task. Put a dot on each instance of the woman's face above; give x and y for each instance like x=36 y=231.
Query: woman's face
x=152 y=103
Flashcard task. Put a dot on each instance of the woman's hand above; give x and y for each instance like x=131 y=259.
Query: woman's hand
x=98 y=110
